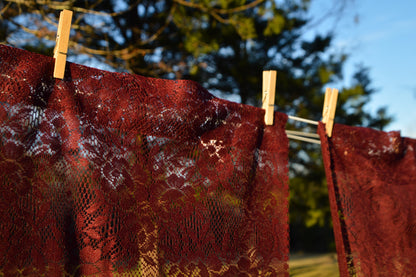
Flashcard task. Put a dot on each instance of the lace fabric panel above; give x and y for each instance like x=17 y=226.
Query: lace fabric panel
x=372 y=188
x=116 y=174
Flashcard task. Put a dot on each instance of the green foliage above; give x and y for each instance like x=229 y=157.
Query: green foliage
x=325 y=74
x=244 y=27
x=194 y=44
x=224 y=45
x=275 y=25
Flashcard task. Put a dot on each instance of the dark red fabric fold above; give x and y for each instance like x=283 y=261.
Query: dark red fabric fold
x=372 y=189
x=105 y=173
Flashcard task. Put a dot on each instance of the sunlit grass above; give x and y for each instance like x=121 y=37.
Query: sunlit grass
x=305 y=265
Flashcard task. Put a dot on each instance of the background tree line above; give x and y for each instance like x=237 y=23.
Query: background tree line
x=224 y=45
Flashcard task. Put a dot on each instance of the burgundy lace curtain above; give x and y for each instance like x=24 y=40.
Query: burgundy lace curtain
x=105 y=173
x=372 y=189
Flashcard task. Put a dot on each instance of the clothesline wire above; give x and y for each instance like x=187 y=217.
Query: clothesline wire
x=303 y=120
x=299 y=133
x=303 y=136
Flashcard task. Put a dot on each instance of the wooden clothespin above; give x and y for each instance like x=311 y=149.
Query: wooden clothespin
x=269 y=91
x=62 y=39
x=328 y=112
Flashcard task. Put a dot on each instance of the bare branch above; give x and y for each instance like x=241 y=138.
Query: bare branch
x=216 y=12
x=239 y=9
x=40 y=33
x=202 y=8
x=219 y=11
x=55 y=5
x=191 y=5
x=4 y=9
x=124 y=54
x=219 y=18
x=161 y=29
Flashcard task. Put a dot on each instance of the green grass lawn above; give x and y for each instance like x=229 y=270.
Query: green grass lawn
x=313 y=265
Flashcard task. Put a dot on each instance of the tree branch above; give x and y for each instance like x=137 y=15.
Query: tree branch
x=220 y=11
x=4 y=10
x=161 y=29
x=55 y=5
x=239 y=9
x=124 y=54
x=202 y=8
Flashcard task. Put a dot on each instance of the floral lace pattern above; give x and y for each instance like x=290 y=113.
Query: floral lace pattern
x=372 y=188
x=116 y=174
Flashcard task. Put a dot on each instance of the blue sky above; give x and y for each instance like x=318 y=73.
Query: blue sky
x=382 y=36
